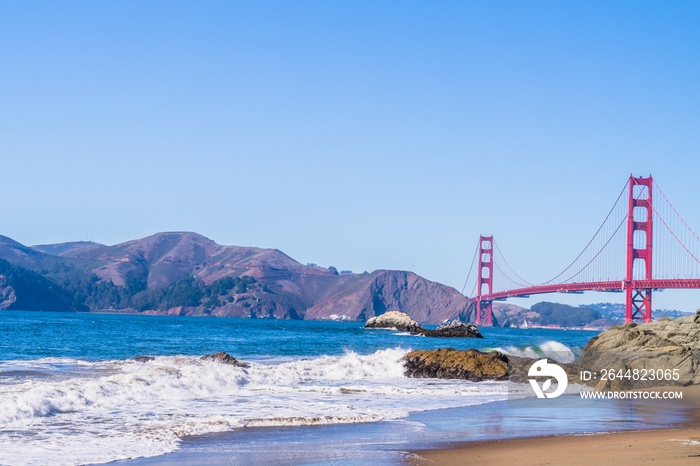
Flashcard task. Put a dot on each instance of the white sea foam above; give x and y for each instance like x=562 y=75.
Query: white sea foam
x=112 y=410
x=549 y=349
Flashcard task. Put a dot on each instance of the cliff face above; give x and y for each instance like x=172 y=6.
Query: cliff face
x=391 y=290
x=7 y=294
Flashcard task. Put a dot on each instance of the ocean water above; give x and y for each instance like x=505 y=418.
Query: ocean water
x=70 y=392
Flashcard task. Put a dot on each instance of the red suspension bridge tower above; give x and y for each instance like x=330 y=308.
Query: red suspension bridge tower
x=483 y=307
x=640 y=201
x=599 y=267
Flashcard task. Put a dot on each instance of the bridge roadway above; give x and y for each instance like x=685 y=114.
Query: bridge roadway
x=592 y=286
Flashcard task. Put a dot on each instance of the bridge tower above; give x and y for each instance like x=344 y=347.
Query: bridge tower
x=640 y=201
x=483 y=307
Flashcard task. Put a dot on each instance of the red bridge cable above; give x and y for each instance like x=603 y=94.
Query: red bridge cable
x=599 y=252
x=506 y=275
x=471 y=267
x=674 y=210
x=594 y=237
x=674 y=235
x=511 y=268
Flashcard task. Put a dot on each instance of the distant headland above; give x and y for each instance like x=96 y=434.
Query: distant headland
x=185 y=273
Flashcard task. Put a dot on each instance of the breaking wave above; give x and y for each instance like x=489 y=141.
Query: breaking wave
x=126 y=409
x=550 y=349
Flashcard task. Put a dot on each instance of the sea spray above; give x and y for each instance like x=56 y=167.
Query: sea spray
x=549 y=349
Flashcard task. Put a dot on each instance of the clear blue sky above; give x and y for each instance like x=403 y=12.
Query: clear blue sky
x=364 y=135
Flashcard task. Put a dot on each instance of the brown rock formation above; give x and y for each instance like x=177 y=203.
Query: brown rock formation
x=454 y=330
x=447 y=363
x=664 y=345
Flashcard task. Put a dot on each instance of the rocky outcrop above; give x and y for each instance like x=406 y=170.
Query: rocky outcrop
x=665 y=334
x=7 y=294
x=454 y=330
x=394 y=319
x=447 y=363
x=666 y=344
x=402 y=322
x=224 y=358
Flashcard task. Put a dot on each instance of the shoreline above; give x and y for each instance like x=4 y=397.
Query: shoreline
x=670 y=445
x=421 y=438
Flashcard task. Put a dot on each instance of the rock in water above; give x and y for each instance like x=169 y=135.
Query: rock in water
x=447 y=363
x=454 y=330
x=404 y=323
x=394 y=319
x=144 y=358
x=223 y=358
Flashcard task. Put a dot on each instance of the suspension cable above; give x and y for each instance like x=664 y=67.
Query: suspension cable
x=674 y=235
x=594 y=236
x=506 y=275
x=599 y=252
x=471 y=267
x=674 y=210
x=511 y=268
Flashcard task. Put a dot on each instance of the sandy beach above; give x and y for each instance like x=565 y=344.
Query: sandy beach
x=660 y=446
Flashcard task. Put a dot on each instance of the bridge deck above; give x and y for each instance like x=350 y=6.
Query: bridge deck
x=593 y=286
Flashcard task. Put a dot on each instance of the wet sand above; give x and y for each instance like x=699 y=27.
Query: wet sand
x=660 y=446
x=389 y=442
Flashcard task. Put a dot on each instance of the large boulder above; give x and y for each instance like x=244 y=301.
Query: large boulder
x=454 y=330
x=404 y=323
x=394 y=319
x=664 y=334
x=666 y=344
x=447 y=363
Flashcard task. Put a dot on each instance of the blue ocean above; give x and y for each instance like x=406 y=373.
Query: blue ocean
x=71 y=392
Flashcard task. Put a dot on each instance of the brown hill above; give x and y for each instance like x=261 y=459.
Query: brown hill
x=147 y=273
x=164 y=258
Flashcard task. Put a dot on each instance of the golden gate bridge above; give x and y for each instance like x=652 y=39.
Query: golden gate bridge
x=660 y=251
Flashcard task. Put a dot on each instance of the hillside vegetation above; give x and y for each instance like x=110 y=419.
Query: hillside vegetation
x=26 y=290
x=563 y=315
